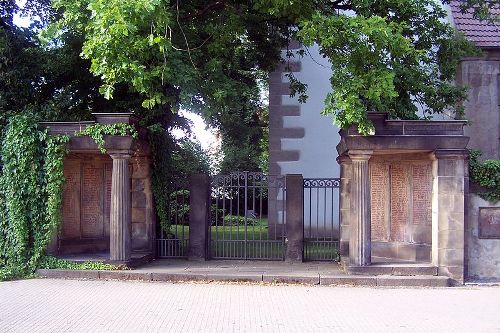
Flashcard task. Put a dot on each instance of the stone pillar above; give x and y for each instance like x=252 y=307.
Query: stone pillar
x=294 y=217
x=345 y=203
x=360 y=222
x=451 y=195
x=199 y=214
x=120 y=221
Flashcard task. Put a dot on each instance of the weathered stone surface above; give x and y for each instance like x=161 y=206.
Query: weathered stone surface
x=400 y=188
x=379 y=186
x=294 y=217
x=92 y=212
x=120 y=238
x=483 y=253
x=421 y=187
x=489 y=222
x=139 y=215
x=360 y=226
x=139 y=199
x=198 y=217
x=71 y=199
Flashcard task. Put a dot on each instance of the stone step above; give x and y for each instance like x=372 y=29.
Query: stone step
x=326 y=279
x=393 y=269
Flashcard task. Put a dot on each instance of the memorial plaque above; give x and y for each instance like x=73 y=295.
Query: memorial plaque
x=489 y=222
x=71 y=199
x=421 y=194
x=379 y=187
x=92 y=225
x=399 y=200
x=108 y=173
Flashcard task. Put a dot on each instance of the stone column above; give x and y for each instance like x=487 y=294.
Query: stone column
x=360 y=219
x=120 y=225
x=345 y=202
x=199 y=214
x=294 y=217
x=450 y=230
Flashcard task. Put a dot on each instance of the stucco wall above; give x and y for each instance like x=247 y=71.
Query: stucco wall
x=301 y=139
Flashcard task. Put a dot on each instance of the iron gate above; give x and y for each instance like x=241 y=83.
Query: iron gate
x=247 y=216
x=173 y=240
x=321 y=218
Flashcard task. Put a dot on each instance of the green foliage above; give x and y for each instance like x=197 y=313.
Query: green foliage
x=98 y=131
x=486 y=174
x=160 y=177
x=386 y=55
x=235 y=220
x=49 y=262
x=31 y=180
x=389 y=57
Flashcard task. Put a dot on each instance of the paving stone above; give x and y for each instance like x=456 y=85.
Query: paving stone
x=57 y=305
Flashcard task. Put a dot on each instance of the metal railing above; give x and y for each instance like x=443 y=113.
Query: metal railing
x=173 y=242
x=247 y=216
x=321 y=219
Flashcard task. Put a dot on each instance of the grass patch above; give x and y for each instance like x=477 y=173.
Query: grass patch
x=49 y=262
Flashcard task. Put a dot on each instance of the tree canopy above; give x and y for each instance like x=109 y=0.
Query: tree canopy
x=386 y=55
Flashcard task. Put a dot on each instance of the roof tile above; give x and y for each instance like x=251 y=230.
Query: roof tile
x=482 y=33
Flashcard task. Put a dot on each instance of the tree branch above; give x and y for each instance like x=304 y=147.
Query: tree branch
x=210 y=7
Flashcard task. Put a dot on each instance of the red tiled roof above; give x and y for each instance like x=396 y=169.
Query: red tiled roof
x=482 y=33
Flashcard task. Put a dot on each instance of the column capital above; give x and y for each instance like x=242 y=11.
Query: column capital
x=451 y=154
x=120 y=155
x=360 y=155
x=343 y=159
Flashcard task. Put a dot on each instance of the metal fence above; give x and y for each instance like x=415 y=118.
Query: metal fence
x=173 y=241
x=247 y=216
x=321 y=219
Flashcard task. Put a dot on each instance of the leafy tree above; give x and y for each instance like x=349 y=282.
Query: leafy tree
x=387 y=55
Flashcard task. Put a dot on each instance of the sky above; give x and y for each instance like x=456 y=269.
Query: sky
x=205 y=135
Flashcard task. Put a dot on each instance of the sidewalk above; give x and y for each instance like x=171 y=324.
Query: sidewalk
x=46 y=305
x=323 y=273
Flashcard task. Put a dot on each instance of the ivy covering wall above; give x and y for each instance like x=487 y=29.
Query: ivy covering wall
x=31 y=180
x=487 y=175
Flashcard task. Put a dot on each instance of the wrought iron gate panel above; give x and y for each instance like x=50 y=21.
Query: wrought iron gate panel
x=321 y=219
x=173 y=242
x=247 y=216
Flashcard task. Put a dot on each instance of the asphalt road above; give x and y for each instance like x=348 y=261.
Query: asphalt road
x=113 y=306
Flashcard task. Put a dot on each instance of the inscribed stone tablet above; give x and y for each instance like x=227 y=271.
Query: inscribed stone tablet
x=71 y=200
x=489 y=222
x=92 y=201
x=379 y=186
x=399 y=200
x=421 y=194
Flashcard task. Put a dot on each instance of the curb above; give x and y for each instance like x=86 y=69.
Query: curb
x=350 y=280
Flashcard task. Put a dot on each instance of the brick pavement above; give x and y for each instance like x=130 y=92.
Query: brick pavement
x=45 y=305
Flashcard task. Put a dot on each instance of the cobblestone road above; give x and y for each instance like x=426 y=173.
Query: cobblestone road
x=103 y=306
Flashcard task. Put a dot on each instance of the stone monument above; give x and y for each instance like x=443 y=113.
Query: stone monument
x=107 y=198
x=403 y=194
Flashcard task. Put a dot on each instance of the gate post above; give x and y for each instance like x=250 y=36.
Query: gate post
x=199 y=208
x=294 y=217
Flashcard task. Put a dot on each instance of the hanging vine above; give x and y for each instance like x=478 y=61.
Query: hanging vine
x=160 y=179
x=31 y=180
x=98 y=131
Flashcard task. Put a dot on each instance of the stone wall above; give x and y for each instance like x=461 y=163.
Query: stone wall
x=483 y=248
x=481 y=75
x=401 y=213
x=87 y=199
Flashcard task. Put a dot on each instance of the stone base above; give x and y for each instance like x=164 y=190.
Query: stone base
x=401 y=251
x=391 y=269
x=83 y=246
